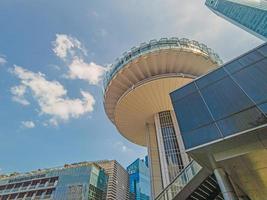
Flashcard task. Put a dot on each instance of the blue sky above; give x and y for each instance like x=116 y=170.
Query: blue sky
x=52 y=57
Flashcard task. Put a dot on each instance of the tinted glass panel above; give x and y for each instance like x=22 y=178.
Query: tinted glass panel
x=211 y=78
x=253 y=80
x=191 y=112
x=263 y=108
x=241 y=121
x=251 y=58
x=233 y=66
x=263 y=50
x=225 y=98
x=184 y=91
x=201 y=136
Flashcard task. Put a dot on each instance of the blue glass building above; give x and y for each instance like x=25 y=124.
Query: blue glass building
x=223 y=122
x=139 y=180
x=250 y=15
x=85 y=181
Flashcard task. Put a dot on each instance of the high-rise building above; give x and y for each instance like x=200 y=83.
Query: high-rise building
x=139 y=179
x=84 y=181
x=118 y=182
x=223 y=123
x=250 y=15
x=136 y=99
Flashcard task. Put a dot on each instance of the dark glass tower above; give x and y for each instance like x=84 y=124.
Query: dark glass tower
x=247 y=14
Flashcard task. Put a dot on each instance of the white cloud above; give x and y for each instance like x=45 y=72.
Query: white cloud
x=51 y=96
x=18 y=94
x=28 y=124
x=90 y=72
x=65 y=46
x=2 y=60
x=70 y=50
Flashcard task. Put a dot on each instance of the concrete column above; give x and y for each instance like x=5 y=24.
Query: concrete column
x=226 y=186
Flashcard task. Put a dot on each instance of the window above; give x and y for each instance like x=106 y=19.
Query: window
x=225 y=98
x=253 y=81
x=211 y=78
x=191 y=112
x=201 y=136
x=241 y=121
x=184 y=91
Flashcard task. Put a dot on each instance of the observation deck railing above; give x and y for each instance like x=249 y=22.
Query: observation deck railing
x=156 y=45
x=183 y=178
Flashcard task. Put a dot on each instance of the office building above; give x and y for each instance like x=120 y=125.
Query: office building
x=250 y=15
x=223 y=123
x=139 y=180
x=136 y=99
x=81 y=181
x=118 y=183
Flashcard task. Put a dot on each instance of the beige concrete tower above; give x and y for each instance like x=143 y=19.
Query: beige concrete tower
x=136 y=99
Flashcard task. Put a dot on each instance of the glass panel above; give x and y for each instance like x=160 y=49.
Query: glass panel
x=201 y=136
x=225 y=98
x=211 y=77
x=191 y=112
x=233 y=66
x=263 y=108
x=241 y=121
x=184 y=91
x=253 y=81
x=263 y=50
x=250 y=58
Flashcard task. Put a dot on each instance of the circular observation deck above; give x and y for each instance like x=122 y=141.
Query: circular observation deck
x=138 y=85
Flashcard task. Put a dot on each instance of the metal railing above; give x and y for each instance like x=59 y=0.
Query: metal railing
x=183 y=178
x=156 y=45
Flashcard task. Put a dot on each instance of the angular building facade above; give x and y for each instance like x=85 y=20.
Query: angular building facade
x=223 y=123
x=250 y=15
x=136 y=99
x=139 y=179
x=118 y=182
x=71 y=182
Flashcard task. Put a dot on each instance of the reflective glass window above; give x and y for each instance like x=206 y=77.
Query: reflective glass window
x=184 y=91
x=241 y=121
x=201 y=136
x=263 y=108
x=211 y=78
x=250 y=58
x=263 y=50
x=253 y=81
x=225 y=98
x=191 y=112
x=233 y=66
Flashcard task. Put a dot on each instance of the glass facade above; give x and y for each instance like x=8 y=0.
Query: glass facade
x=139 y=180
x=224 y=102
x=170 y=143
x=247 y=14
x=87 y=182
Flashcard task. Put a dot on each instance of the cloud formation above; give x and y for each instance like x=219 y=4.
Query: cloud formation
x=2 y=60
x=65 y=46
x=72 y=52
x=51 y=96
x=28 y=124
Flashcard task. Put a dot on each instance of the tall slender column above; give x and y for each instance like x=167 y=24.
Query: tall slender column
x=225 y=184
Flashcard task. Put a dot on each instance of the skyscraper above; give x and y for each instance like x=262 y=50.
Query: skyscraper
x=118 y=182
x=81 y=181
x=139 y=180
x=136 y=99
x=250 y=15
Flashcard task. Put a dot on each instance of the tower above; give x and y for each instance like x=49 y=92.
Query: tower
x=136 y=99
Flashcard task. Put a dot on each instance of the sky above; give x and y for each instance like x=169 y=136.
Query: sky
x=53 y=56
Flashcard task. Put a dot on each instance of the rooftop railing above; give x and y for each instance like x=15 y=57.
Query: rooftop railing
x=183 y=178
x=156 y=45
